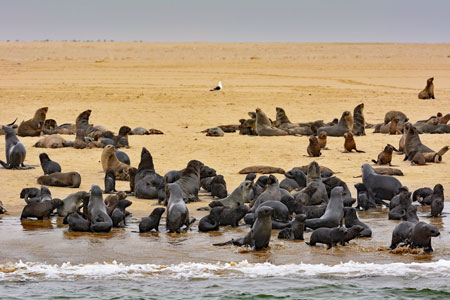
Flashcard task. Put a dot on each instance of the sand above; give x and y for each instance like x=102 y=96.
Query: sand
x=166 y=86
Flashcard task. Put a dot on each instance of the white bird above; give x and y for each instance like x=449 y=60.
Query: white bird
x=218 y=87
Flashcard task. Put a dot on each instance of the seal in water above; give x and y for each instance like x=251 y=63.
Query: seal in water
x=272 y=192
x=78 y=223
x=189 y=181
x=359 y=122
x=15 y=151
x=437 y=200
x=264 y=127
x=421 y=236
x=119 y=213
x=379 y=187
x=100 y=220
x=152 y=221
x=69 y=179
x=259 y=235
x=385 y=156
x=333 y=214
x=362 y=199
x=315 y=189
x=40 y=210
x=295 y=232
x=428 y=91
x=177 y=211
x=313 y=148
x=33 y=127
x=349 y=143
x=421 y=194
x=211 y=222
x=352 y=233
x=329 y=236
x=48 y=166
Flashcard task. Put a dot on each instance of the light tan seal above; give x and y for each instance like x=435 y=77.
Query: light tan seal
x=53 y=141
x=428 y=91
x=313 y=148
x=110 y=161
x=264 y=126
x=33 y=127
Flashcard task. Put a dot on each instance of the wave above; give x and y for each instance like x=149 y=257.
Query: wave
x=40 y=271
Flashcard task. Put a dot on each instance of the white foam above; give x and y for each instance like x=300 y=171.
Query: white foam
x=243 y=269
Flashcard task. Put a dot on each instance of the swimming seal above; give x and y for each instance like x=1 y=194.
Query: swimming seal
x=211 y=222
x=264 y=127
x=33 y=127
x=345 y=125
x=15 y=151
x=329 y=236
x=147 y=183
x=152 y=221
x=259 y=235
x=71 y=203
x=48 y=166
x=437 y=200
x=333 y=214
x=69 y=179
x=428 y=91
x=379 y=187
x=359 y=122
x=40 y=210
x=110 y=161
x=349 y=143
x=110 y=182
x=313 y=148
x=177 y=211
x=100 y=220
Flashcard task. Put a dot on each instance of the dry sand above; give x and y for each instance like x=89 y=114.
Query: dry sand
x=166 y=86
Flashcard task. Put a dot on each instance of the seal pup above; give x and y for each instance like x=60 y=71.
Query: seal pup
x=15 y=151
x=33 y=127
x=72 y=203
x=359 y=122
x=333 y=213
x=264 y=126
x=295 y=179
x=69 y=179
x=402 y=201
x=111 y=201
x=385 y=156
x=189 y=181
x=110 y=161
x=152 y=221
x=421 y=194
x=43 y=194
x=428 y=91
x=30 y=193
x=177 y=211
x=329 y=236
x=259 y=235
x=349 y=143
x=98 y=215
x=421 y=236
x=110 y=182
x=315 y=189
x=218 y=187
x=353 y=232
x=132 y=173
x=345 y=125
x=351 y=219
x=48 y=166
x=313 y=148
x=437 y=200
x=40 y=210
x=322 y=139
x=119 y=213
x=211 y=222
x=147 y=183
x=232 y=216
x=77 y=223
x=295 y=232
x=216 y=131
x=379 y=187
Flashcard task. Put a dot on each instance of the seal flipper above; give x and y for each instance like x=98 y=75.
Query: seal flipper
x=5 y=165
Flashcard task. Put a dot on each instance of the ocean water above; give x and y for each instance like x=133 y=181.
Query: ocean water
x=241 y=280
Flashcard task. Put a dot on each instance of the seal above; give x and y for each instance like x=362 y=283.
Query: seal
x=315 y=189
x=428 y=91
x=152 y=221
x=437 y=200
x=147 y=183
x=40 y=210
x=399 y=204
x=139 y=131
x=295 y=232
x=259 y=235
x=49 y=127
x=53 y=141
x=216 y=131
x=15 y=151
x=110 y=161
x=422 y=194
x=272 y=192
x=121 y=140
x=295 y=179
x=322 y=139
x=211 y=222
x=172 y=176
x=110 y=182
x=80 y=142
x=29 y=193
x=82 y=121
x=219 y=187
x=421 y=236
x=392 y=127
x=311 y=212
x=329 y=236
x=385 y=156
x=132 y=173
x=379 y=187
x=313 y=148
x=239 y=196
x=349 y=143
x=332 y=182
x=359 y=122
x=264 y=127
x=177 y=211
x=119 y=213
x=72 y=203
x=351 y=219
x=33 y=127
x=189 y=181
x=44 y=195
x=122 y=157
x=48 y=166
x=390 y=115
x=282 y=122
x=402 y=234
x=111 y=201
x=345 y=125
x=333 y=214
x=232 y=216
x=261 y=170
x=69 y=179
x=352 y=233
x=280 y=217
x=324 y=171
x=97 y=213
x=413 y=144
x=77 y=223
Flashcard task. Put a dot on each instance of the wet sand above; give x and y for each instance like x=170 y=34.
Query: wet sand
x=166 y=86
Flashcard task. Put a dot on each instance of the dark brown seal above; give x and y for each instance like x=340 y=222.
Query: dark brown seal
x=359 y=122
x=385 y=156
x=322 y=139
x=41 y=210
x=437 y=200
x=33 y=127
x=428 y=91
x=313 y=148
x=349 y=143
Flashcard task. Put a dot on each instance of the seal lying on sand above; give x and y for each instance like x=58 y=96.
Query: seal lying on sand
x=53 y=141
x=345 y=125
x=282 y=122
x=69 y=179
x=15 y=151
x=262 y=170
x=428 y=91
x=33 y=127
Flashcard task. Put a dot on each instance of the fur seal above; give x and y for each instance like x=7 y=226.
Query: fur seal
x=351 y=219
x=189 y=181
x=122 y=157
x=379 y=187
x=30 y=193
x=399 y=204
x=152 y=221
x=259 y=235
x=264 y=126
x=33 y=127
x=139 y=131
x=53 y=141
x=421 y=236
x=390 y=115
x=315 y=189
x=349 y=143
x=78 y=223
x=15 y=151
x=48 y=166
x=402 y=234
x=211 y=222
x=295 y=179
x=322 y=139
x=110 y=161
x=40 y=210
x=272 y=192
x=388 y=171
x=2 y=209
x=324 y=171
x=232 y=216
x=110 y=181
x=69 y=179
x=359 y=122
x=333 y=214
x=216 y=131
x=72 y=203
x=421 y=194
x=313 y=148
x=261 y=170
x=282 y=122
x=119 y=213
x=49 y=127
x=239 y=196
x=98 y=215
x=385 y=156
x=332 y=182
x=280 y=217
x=80 y=142
x=352 y=232
x=82 y=121
x=218 y=187
x=345 y=125
x=111 y=201
x=147 y=183
x=132 y=173
x=428 y=91
x=177 y=211
x=362 y=198
x=295 y=232
x=329 y=236
x=392 y=127
x=437 y=200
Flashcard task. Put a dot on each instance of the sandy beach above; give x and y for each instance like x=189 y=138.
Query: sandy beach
x=166 y=86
